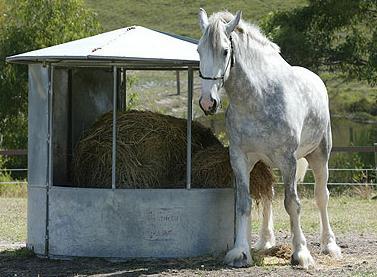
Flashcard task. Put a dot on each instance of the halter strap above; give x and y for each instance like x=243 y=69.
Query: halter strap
x=230 y=61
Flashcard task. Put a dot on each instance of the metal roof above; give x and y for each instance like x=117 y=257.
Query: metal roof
x=134 y=45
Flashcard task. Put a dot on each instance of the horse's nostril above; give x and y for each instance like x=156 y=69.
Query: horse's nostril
x=214 y=106
x=200 y=105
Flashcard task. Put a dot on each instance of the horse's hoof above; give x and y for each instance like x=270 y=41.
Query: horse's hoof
x=302 y=258
x=332 y=249
x=238 y=257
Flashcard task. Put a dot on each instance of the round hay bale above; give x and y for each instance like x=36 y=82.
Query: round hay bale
x=211 y=168
x=151 y=151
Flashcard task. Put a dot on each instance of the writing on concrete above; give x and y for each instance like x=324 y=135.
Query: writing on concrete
x=162 y=223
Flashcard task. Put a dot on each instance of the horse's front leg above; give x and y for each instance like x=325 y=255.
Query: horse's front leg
x=240 y=256
x=301 y=255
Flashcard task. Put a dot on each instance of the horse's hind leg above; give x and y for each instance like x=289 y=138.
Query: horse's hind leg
x=318 y=161
x=266 y=237
x=301 y=255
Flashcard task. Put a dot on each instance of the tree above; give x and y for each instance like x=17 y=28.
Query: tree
x=332 y=35
x=27 y=25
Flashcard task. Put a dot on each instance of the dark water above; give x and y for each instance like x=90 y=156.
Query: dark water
x=345 y=133
x=349 y=133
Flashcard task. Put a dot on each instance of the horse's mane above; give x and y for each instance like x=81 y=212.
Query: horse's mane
x=244 y=28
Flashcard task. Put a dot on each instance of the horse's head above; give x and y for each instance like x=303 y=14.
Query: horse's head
x=216 y=58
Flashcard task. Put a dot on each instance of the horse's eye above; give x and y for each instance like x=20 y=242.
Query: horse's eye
x=225 y=52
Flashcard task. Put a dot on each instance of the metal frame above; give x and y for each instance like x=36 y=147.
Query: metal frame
x=115 y=66
x=103 y=62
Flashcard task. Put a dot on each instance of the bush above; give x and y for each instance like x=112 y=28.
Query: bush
x=27 y=25
x=362 y=105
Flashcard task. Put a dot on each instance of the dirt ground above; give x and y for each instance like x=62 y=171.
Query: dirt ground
x=359 y=259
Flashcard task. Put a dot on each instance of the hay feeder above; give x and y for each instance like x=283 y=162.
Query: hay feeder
x=70 y=87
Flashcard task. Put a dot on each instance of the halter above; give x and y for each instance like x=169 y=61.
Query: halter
x=230 y=61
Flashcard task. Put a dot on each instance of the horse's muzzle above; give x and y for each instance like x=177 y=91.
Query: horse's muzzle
x=212 y=109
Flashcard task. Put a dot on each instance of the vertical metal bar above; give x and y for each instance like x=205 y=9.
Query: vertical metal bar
x=120 y=99
x=125 y=88
x=49 y=158
x=113 y=164
x=189 y=123
x=178 y=82
x=69 y=127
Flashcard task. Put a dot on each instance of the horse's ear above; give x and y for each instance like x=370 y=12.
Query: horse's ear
x=233 y=24
x=203 y=20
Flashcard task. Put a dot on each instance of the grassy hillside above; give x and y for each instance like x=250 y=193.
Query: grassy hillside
x=176 y=16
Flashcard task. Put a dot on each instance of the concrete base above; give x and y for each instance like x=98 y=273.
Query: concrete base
x=128 y=223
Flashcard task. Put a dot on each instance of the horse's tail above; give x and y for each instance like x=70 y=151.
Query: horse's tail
x=302 y=166
x=261 y=182
x=262 y=179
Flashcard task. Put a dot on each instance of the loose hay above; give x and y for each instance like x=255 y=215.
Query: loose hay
x=151 y=153
x=283 y=251
x=274 y=255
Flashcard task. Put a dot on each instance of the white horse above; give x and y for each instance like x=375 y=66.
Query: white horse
x=277 y=113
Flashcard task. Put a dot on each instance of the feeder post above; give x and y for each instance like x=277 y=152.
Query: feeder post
x=115 y=88
x=49 y=157
x=178 y=82
x=189 y=123
x=50 y=120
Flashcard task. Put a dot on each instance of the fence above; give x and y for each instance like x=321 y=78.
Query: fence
x=356 y=176
x=364 y=176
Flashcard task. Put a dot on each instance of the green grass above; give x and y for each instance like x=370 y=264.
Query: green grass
x=13 y=219
x=361 y=220
x=179 y=17
x=156 y=91
x=11 y=189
